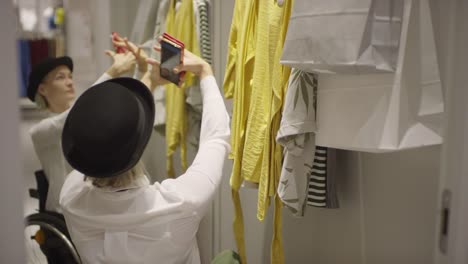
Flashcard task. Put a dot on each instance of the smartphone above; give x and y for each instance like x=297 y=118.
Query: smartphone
x=171 y=56
x=171 y=38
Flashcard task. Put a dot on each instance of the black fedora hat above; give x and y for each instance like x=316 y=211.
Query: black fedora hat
x=41 y=69
x=108 y=127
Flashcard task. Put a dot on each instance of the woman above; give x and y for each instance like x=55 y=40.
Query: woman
x=114 y=215
x=51 y=88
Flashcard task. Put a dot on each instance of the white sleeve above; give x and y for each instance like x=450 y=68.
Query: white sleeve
x=215 y=119
x=48 y=131
x=202 y=178
x=104 y=77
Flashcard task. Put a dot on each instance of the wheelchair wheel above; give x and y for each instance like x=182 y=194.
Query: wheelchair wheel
x=47 y=240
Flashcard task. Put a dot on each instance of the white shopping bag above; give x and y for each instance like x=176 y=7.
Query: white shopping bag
x=387 y=112
x=344 y=36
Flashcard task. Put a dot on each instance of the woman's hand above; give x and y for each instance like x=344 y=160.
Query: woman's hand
x=122 y=63
x=191 y=63
x=137 y=51
x=153 y=76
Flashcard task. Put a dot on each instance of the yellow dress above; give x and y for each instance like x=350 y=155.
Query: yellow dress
x=261 y=153
x=257 y=83
x=181 y=25
x=238 y=85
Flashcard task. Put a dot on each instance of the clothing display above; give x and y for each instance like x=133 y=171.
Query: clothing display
x=237 y=85
x=202 y=11
x=305 y=176
x=146 y=223
x=179 y=24
x=157 y=13
x=193 y=94
x=296 y=135
x=316 y=193
x=361 y=36
x=47 y=140
x=255 y=46
x=159 y=93
x=321 y=190
x=148 y=11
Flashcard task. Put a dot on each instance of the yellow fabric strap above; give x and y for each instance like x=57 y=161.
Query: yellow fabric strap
x=238 y=226
x=183 y=149
x=170 y=167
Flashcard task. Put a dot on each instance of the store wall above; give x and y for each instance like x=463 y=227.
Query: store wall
x=11 y=230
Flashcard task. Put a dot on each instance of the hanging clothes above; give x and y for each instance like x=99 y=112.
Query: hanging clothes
x=147 y=12
x=179 y=24
x=322 y=179
x=202 y=8
x=154 y=18
x=306 y=176
x=256 y=41
x=193 y=94
x=321 y=191
x=261 y=155
x=159 y=93
x=296 y=135
x=238 y=85
x=151 y=17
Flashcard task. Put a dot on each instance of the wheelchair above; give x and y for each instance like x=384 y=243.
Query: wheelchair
x=46 y=234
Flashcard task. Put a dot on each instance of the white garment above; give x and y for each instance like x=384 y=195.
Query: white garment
x=193 y=94
x=47 y=140
x=147 y=11
x=151 y=223
x=296 y=135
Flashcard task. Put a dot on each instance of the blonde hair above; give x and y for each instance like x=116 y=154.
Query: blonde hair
x=120 y=181
x=41 y=102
